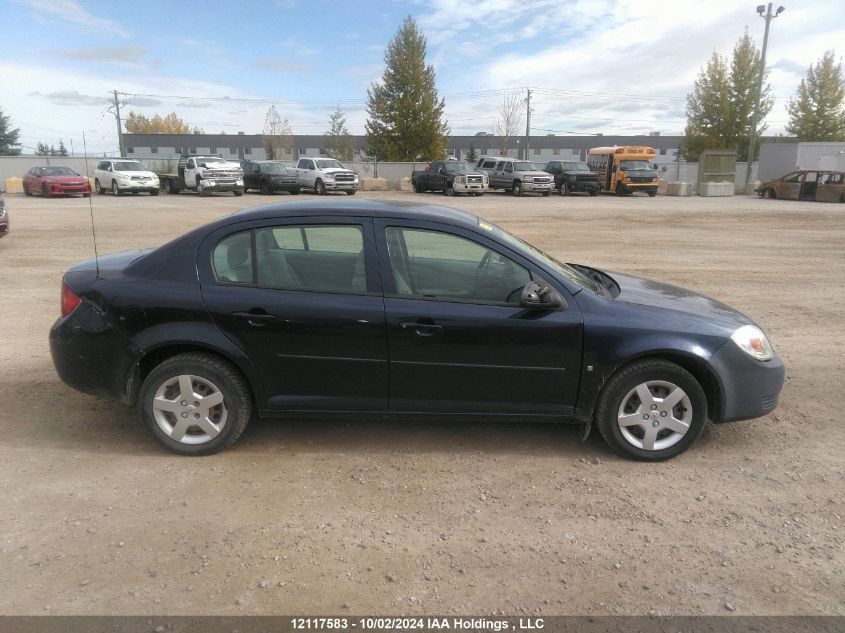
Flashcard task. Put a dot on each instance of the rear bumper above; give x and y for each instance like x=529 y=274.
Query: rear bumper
x=89 y=354
x=750 y=388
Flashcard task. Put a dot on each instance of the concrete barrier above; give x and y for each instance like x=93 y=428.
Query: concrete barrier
x=405 y=184
x=716 y=189
x=13 y=185
x=679 y=189
x=373 y=184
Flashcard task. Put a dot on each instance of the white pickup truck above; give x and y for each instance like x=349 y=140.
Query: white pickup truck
x=325 y=174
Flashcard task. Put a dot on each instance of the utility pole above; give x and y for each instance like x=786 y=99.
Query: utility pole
x=752 y=137
x=527 y=121
x=121 y=146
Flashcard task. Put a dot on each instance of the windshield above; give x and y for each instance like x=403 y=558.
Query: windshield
x=521 y=245
x=634 y=165
x=525 y=166
x=58 y=171
x=329 y=163
x=459 y=166
x=576 y=166
x=212 y=160
x=273 y=168
x=130 y=166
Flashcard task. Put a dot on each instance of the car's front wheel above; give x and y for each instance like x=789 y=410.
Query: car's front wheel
x=195 y=404
x=115 y=189
x=651 y=410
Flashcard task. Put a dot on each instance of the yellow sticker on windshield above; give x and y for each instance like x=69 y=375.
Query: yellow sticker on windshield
x=484 y=226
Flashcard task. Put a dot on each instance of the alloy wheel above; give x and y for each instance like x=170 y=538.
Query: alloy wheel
x=655 y=415
x=189 y=409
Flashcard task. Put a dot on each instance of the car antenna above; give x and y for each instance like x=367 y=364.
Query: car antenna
x=91 y=206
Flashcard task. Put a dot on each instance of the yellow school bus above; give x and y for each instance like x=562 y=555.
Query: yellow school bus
x=625 y=169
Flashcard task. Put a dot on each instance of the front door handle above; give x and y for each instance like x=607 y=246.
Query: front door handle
x=422 y=328
x=254 y=318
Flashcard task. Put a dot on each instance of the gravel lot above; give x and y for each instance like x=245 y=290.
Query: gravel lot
x=324 y=517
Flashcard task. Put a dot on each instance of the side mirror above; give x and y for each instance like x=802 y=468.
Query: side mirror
x=442 y=171
x=203 y=165
x=540 y=297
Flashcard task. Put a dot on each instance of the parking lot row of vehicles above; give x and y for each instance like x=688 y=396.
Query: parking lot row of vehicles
x=619 y=170
x=201 y=174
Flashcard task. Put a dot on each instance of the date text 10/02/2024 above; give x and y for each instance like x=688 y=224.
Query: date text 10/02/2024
x=417 y=624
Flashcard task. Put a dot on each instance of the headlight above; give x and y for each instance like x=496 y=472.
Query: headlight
x=753 y=341
x=528 y=178
x=123 y=176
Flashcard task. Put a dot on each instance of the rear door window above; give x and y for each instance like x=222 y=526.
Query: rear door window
x=233 y=259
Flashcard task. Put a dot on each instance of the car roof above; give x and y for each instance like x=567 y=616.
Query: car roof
x=356 y=208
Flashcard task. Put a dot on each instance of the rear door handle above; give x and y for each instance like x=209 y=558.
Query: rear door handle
x=254 y=318
x=422 y=329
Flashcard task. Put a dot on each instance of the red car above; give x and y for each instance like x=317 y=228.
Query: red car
x=4 y=218
x=55 y=181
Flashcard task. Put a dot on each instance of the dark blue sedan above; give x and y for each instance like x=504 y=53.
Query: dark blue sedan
x=359 y=308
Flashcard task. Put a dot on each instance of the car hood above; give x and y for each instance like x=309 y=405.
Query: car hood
x=656 y=294
x=336 y=170
x=130 y=174
x=533 y=173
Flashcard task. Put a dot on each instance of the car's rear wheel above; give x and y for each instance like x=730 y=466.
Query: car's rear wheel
x=418 y=188
x=564 y=190
x=651 y=410
x=98 y=187
x=195 y=404
x=265 y=188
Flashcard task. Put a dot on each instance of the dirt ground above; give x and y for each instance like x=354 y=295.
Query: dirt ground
x=322 y=517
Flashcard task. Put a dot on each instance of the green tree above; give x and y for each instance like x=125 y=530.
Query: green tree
x=338 y=142
x=472 y=154
x=721 y=106
x=62 y=151
x=42 y=149
x=405 y=115
x=818 y=112
x=53 y=151
x=9 y=138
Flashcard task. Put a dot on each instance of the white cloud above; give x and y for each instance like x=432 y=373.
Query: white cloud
x=72 y=12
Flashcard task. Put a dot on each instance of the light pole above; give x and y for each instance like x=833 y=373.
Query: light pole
x=766 y=13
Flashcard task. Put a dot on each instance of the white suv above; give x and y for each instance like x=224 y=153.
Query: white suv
x=121 y=175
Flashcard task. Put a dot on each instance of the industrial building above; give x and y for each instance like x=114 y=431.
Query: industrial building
x=778 y=159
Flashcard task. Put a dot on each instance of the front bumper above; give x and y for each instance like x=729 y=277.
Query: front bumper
x=587 y=186
x=472 y=187
x=212 y=184
x=537 y=187
x=138 y=185
x=55 y=189
x=291 y=185
x=632 y=187
x=750 y=388
x=333 y=185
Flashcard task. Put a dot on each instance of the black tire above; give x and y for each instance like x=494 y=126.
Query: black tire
x=517 y=189
x=350 y=192
x=237 y=399
x=546 y=194
x=448 y=189
x=98 y=187
x=171 y=187
x=265 y=188
x=594 y=192
x=319 y=187
x=626 y=379
x=651 y=194
x=563 y=189
x=115 y=190
x=418 y=188
x=769 y=193
x=294 y=192
x=238 y=192
x=26 y=191
x=620 y=190
x=154 y=192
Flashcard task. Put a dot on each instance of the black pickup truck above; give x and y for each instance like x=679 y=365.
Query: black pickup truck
x=451 y=177
x=573 y=175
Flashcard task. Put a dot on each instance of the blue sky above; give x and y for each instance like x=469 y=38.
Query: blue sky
x=595 y=65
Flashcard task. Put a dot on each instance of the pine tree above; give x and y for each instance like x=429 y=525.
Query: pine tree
x=721 y=106
x=472 y=154
x=42 y=149
x=9 y=143
x=338 y=142
x=818 y=112
x=52 y=151
x=62 y=151
x=405 y=113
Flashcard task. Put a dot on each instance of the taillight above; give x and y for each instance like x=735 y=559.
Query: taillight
x=69 y=300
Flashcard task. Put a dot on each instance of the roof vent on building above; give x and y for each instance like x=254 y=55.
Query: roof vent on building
x=240 y=133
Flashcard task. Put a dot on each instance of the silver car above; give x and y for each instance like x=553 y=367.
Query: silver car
x=516 y=176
